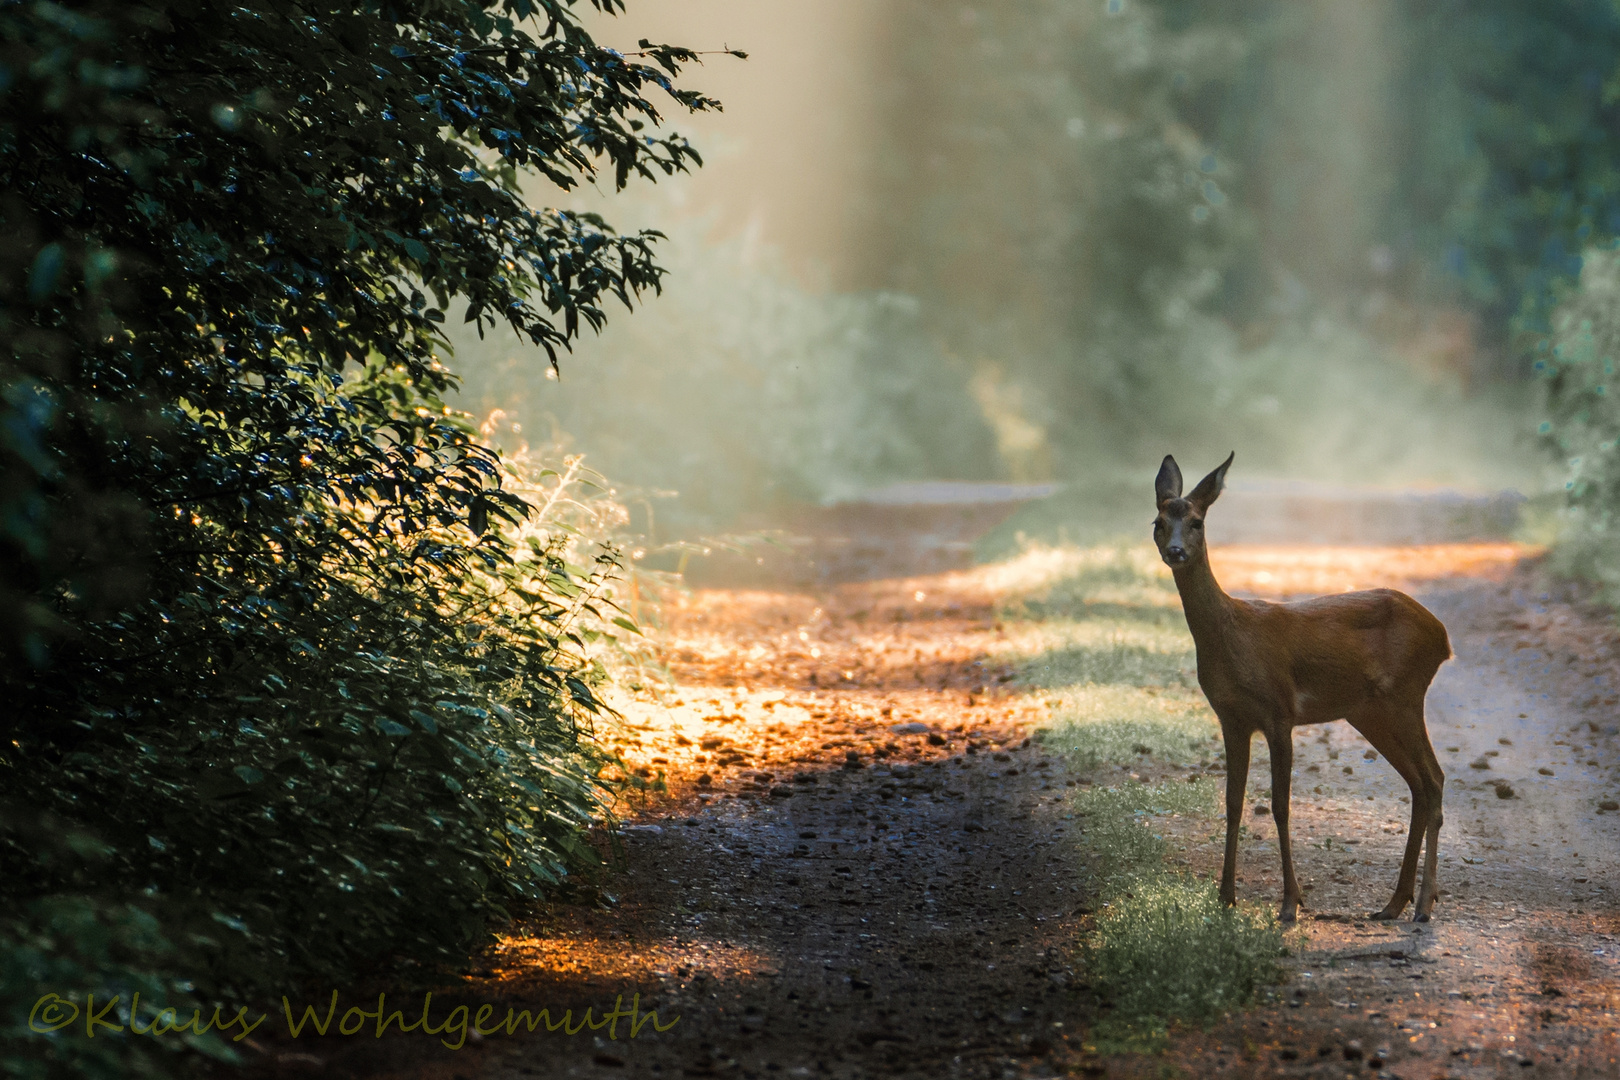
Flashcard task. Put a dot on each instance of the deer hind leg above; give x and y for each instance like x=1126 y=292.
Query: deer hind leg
x=1397 y=731
x=1433 y=779
x=1282 y=775
x=1237 y=780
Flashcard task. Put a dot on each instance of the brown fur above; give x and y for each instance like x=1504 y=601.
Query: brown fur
x=1366 y=657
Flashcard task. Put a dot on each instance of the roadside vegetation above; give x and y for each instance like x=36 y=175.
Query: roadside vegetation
x=302 y=679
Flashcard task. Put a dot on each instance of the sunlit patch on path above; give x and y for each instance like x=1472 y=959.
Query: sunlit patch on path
x=1298 y=570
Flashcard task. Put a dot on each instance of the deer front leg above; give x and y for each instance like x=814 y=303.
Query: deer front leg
x=1237 y=780
x=1282 y=778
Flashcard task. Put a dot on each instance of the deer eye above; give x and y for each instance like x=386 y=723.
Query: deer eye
x=1196 y=524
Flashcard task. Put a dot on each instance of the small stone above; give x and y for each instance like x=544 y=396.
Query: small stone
x=1479 y=763
x=912 y=728
x=641 y=830
x=1504 y=790
x=1544 y=771
x=1261 y=809
x=1609 y=804
x=1353 y=1051
x=935 y=739
x=705 y=780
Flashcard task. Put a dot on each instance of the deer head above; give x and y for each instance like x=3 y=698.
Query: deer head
x=1178 y=529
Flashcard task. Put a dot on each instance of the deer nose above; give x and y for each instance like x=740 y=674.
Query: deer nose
x=1176 y=552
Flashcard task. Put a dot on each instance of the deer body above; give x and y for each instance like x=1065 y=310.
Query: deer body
x=1366 y=657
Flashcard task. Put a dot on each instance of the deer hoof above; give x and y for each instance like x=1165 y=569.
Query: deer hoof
x=1421 y=918
x=1389 y=914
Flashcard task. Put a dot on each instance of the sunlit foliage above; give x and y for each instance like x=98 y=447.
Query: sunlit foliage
x=286 y=696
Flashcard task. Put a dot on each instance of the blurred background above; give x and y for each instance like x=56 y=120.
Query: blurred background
x=1044 y=242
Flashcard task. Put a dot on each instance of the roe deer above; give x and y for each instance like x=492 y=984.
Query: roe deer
x=1365 y=657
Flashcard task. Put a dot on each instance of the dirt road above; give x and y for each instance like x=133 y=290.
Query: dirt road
x=1518 y=974
x=863 y=868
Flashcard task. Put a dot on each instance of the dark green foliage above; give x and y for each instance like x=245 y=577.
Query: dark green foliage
x=1583 y=424
x=1512 y=161
x=284 y=696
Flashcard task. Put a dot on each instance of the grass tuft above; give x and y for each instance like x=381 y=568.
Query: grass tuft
x=1169 y=950
x=1163 y=949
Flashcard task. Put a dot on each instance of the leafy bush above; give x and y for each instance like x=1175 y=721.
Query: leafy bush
x=305 y=784
x=291 y=692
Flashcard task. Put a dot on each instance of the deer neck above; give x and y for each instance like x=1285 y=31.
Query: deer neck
x=1206 y=605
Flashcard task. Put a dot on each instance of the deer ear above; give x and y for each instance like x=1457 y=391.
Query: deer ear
x=1209 y=488
x=1168 y=485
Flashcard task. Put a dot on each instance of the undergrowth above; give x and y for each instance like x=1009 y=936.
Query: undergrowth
x=1163 y=948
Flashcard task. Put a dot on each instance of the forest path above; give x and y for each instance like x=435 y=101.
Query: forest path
x=862 y=868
